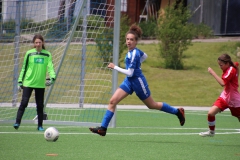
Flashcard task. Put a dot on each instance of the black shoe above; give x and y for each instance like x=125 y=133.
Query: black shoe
x=181 y=116
x=16 y=125
x=99 y=130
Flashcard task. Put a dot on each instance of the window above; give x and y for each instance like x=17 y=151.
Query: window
x=123 y=5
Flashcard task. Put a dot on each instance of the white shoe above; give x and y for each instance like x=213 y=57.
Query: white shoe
x=207 y=134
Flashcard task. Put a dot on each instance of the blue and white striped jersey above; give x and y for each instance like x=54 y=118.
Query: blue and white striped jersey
x=133 y=60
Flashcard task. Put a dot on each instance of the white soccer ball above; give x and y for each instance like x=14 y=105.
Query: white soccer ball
x=51 y=134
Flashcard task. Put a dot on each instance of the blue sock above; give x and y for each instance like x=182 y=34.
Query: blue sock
x=107 y=118
x=169 y=109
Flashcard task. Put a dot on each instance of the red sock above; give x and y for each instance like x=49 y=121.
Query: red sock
x=211 y=122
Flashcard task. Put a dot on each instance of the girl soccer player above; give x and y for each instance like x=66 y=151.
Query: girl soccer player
x=37 y=62
x=136 y=82
x=230 y=97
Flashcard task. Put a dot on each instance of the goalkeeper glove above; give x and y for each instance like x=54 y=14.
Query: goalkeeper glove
x=20 y=86
x=49 y=81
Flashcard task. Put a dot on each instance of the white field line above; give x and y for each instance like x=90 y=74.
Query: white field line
x=104 y=106
x=232 y=131
x=157 y=128
x=228 y=131
x=121 y=134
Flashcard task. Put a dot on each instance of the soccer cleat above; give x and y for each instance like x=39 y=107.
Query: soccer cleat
x=99 y=130
x=181 y=116
x=40 y=128
x=207 y=134
x=16 y=125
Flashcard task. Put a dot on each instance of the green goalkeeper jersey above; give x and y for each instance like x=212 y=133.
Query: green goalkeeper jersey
x=35 y=67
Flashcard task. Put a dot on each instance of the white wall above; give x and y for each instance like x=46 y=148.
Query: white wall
x=37 y=10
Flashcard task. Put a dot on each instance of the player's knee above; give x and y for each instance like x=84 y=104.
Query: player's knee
x=22 y=108
x=210 y=114
x=24 y=102
x=112 y=101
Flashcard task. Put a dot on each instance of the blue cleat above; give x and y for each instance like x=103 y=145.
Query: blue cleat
x=16 y=125
x=40 y=128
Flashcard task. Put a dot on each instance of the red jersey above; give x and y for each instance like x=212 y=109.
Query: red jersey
x=230 y=93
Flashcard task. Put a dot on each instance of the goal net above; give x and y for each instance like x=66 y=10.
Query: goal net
x=79 y=34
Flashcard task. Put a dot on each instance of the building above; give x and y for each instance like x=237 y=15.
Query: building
x=222 y=16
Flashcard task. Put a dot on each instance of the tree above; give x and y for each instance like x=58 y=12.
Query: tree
x=174 y=33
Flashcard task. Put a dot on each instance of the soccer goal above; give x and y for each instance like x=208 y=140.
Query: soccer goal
x=82 y=36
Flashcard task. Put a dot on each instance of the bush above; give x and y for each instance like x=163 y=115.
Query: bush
x=10 y=27
x=93 y=21
x=124 y=27
x=10 y=24
x=105 y=40
x=203 y=31
x=175 y=34
x=200 y=31
x=149 y=28
x=104 y=43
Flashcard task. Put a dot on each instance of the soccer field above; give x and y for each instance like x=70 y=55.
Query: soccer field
x=140 y=134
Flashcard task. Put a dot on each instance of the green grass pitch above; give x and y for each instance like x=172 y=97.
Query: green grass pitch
x=140 y=135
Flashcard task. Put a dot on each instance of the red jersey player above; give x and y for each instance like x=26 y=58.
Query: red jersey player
x=230 y=97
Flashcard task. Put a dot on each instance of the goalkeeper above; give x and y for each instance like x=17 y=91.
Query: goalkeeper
x=37 y=62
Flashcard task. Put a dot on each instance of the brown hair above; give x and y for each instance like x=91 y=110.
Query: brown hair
x=225 y=58
x=136 y=31
x=38 y=36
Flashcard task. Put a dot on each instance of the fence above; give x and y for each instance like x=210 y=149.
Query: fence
x=221 y=15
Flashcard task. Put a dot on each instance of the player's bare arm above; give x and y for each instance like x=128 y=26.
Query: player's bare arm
x=218 y=79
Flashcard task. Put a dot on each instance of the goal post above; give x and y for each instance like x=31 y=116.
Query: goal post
x=83 y=37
